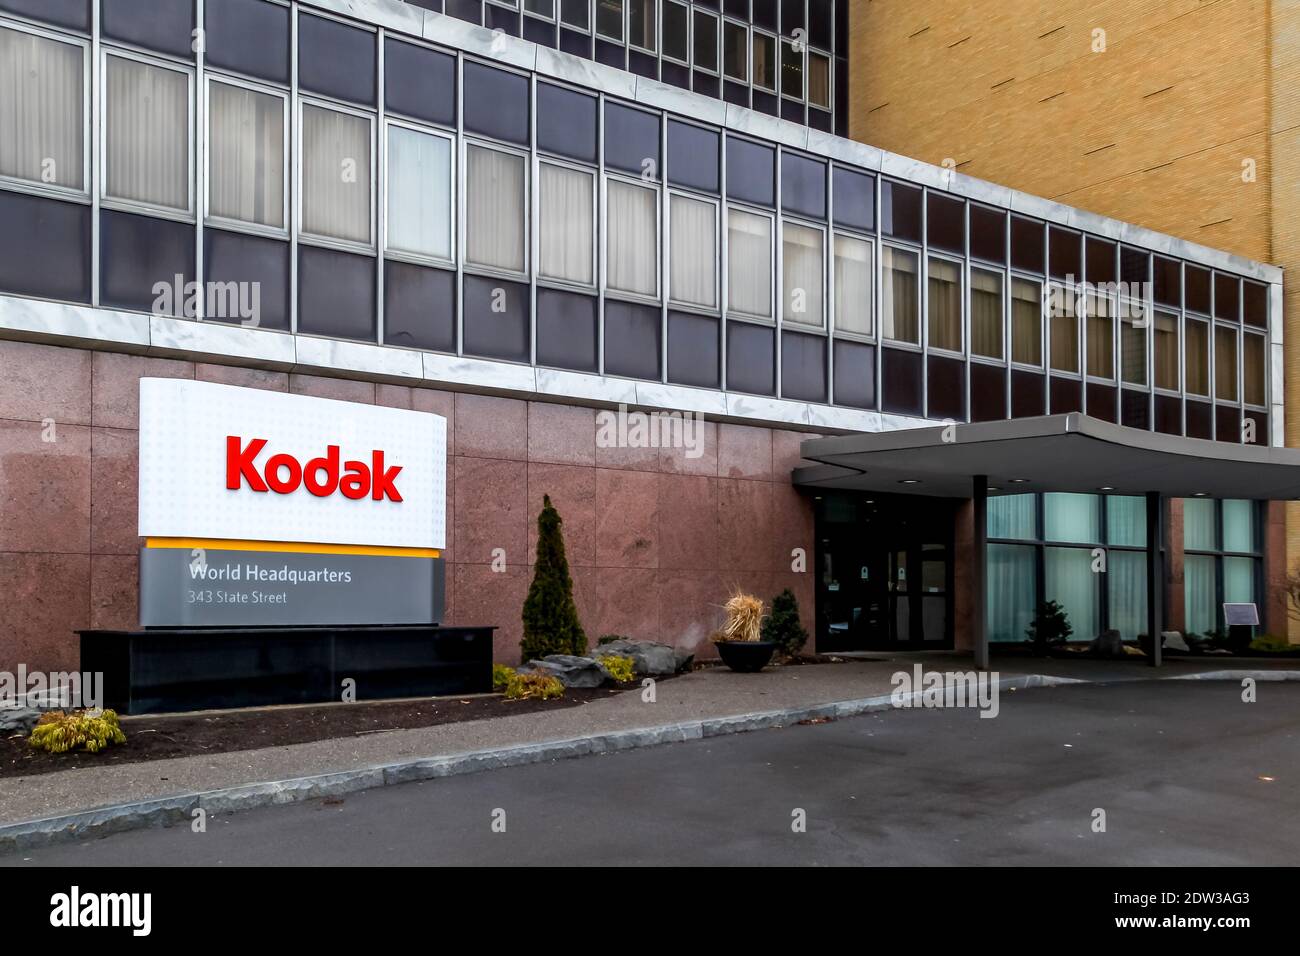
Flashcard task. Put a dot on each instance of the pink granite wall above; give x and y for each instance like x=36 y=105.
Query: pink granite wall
x=655 y=539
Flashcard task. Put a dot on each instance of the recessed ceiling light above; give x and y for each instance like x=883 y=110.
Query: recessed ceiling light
x=991 y=488
x=910 y=481
x=1018 y=481
x=1106 y=488
x=1199 y=494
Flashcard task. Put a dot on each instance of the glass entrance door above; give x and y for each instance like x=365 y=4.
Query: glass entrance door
x=884 y=572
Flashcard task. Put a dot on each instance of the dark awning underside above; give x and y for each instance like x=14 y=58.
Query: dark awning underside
x=1053 y=453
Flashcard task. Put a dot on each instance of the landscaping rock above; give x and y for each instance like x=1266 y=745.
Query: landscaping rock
x=1174 y=641
x=15 y=720
x=684 y=661
x=1108 y=644
x=650 y=659
x=572 y=671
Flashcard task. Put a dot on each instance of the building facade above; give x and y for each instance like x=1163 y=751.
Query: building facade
x=382 y=203
x=1177 y=116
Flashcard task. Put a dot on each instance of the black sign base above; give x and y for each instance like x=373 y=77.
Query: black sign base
x=165 y=670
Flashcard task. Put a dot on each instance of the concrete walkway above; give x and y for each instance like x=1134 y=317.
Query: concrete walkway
x=707 y=695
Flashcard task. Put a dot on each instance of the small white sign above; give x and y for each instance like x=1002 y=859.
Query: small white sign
x=245 y=464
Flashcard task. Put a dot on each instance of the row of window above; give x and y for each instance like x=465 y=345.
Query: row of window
x=644 y=208
x=1045 y=548
x=780 y=47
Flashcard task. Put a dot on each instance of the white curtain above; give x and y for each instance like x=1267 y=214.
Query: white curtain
x=1069 y=580
x=1013 y=516
x=1199 y=532
x=1101 y=342
x=801 y=249
x=899 y=296
x=147 y=137
x=1011 y=591
x=749 y=263
x=41 y=105
x=419 y=193
x=1126 y=520
x=1026 y=322
x=1225 y=364
x=1199 y=595
x=335 y=174
x=565 y=243
x=1166 y=351
x=693 y=241
x=631 y=236
x=494 y=209
x=1239 y=525
x=1197 y=363
x=1126 y=581
x=944 y=282
x=246 y=155
x=986 y=313
x=1071 y=517
x=1133 y=352
x=852 y=285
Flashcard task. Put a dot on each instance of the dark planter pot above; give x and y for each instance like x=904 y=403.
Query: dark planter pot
x=746 y=657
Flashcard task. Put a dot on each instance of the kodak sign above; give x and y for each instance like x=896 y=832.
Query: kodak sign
x=284 y=474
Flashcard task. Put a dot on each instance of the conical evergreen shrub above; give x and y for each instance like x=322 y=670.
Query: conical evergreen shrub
x=783 y=626
x=551 y=624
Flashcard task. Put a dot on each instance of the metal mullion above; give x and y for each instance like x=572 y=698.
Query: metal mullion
x=460 y=179
x=601 y=239
x=722 y=279
x=533 y=226
x=379 y=194
x=664 y=226
x=199 y=144
x=294 y=148
x=95 y=76
x=968 y=337
x=923 y=298
x=828 y=284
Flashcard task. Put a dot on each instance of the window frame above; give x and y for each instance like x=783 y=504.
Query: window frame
x=553 y=18
x=1206 y=325
x=588 y=28
x=107 y=200
x=1144 y=325
x=801 y=51
x=1263 y=339
x=837 y=232
x=655 y=26
x=681 y=304
x=962 y=332
x=657 y=189
x=327 y=242
x=824 y=230
x=240 y=225
x=698 y=13
x=1175 y=314
x=622 y=21
x=1040 y=281
x=473 y=268
x=88 y=81
x=1095 y=293
x=1234 y=328
x=830 y=81
x=555 y=282
x=979 y=265
x=416 y=258
x=729 y=312
x=749 y=51
x=755 y=34
x=1055 y=286
x=920 y=316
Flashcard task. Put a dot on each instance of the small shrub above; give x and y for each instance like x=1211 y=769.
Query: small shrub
x=550 y=617
x=1273 y=644
x=539 y=686
x=1050 y=626
x=58 y=732
x=621 y=669
x=744 y=618
x=783 y=627
x=501 y=674
x=609 y=639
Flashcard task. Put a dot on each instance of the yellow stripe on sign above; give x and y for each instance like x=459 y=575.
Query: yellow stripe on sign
x=222 y=544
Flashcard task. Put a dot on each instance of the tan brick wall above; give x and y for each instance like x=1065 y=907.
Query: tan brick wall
x=1155 y=129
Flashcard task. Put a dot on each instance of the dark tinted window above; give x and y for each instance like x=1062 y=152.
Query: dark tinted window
x=692 y=156
x=988 y=398
x=900 y=210
x=631 y=140
x=693 y=350
x=254 y=263
x=419 y=307
x=803 y=367
x=1256 y=304
x=496 y=325
x=900 y=383
x=135 y=253
x=64 y=13
x=803 y=185
x=1227 y=296
x=1134 y=270
x=854 y=199
x=419 y=83
x=164 y=25
x=1197 y=289
x=751 y=171
x=1028 y=394
x=248 y=36
x=566 y=122
x=1066 y=253
x=471 y=11
x=751 y=360
x=946 y=223
x=566 y=330
x=988 y=234
x=336 y=60
x=766 y=13
x=336 y=294
x=1168 y=281
x=855 y=374
x=946 y=388
x=820 y=22
x=1101 y=261
x=631 y=340
x=496 y=103
x=1027 y=245
x=44 y=247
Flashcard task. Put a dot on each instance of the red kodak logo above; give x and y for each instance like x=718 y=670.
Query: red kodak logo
x=284 y=474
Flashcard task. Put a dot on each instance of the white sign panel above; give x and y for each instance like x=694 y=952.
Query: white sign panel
x=217 y=461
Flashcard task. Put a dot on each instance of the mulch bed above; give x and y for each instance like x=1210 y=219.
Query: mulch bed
x=189 y=735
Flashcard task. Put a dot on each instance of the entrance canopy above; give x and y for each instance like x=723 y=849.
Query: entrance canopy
x=1053 y=453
